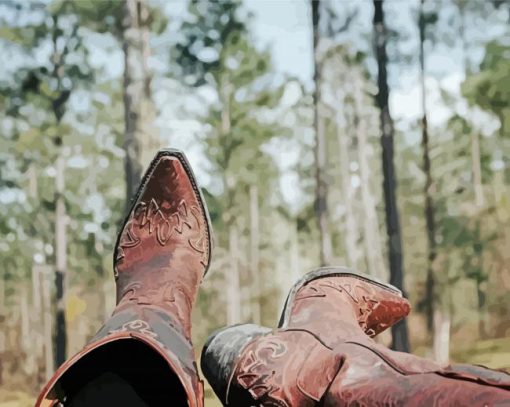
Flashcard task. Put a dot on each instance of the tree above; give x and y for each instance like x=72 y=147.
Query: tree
x=140 y=142
x=218 y=53
x=131 y=23
x=49 y=137
x=321 y=187
x=399 y=330
x=429 y=187
x=371 y=236
x=51 y=86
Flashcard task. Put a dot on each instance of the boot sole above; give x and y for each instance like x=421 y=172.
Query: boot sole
x=329 y=272
x=171 y=152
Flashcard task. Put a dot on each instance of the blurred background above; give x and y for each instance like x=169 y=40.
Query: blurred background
x=369 y=134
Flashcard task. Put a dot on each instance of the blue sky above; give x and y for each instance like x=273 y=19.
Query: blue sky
x=283 y=26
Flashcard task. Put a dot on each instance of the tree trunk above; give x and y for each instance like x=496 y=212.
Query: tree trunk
x=254 y=253
x=47 y=325
x=321 y=187
x=482 y=314
x=29 y=350
x=475 y=140
x=430 y=296
x=233 y=299
x=353 y=253
x=36 y=311
x=441 y=345
x=371 y=236
x=399 y=330
x=3 y=316
x=61 y=263
x=477 y=170
x=140 y=141
x=295 y=273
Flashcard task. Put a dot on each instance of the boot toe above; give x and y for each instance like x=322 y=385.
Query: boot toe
x=221 y=351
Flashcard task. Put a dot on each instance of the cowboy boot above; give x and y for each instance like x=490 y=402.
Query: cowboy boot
x=162 y=253
x=322 y=354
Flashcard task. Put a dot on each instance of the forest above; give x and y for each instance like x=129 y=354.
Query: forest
x=374 y=135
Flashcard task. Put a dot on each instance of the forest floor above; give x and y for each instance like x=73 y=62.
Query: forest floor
x=494 y=353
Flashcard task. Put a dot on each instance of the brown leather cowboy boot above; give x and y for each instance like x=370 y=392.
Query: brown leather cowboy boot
x=322 y=354
x=162 y=253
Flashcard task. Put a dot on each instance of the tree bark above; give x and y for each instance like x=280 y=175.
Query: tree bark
x=399 y=330
x=294 y=253
x=353 y=253
x=475 y=140
x=61 y=263
x=371 y=236
x=254 y=253
x=47 y=326
x=321 y=187
x=140 y=142
x=59 y=104
x=430 y=296
x=233 y=299
x=30 y=363
x=441 y=346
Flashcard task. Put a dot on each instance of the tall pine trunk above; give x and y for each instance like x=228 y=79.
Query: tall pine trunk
x=49 y=360
x=294 y=260
x=371 y=236
x=353 y=253
x=254 y=253
x=61 y=262
x=232 y=279
x=399 y=330
x=233 y=286
x=438 y=320
x=476 y=173
x=321 y=187
x=140 y=142
x=476 y=167
x=60 y=220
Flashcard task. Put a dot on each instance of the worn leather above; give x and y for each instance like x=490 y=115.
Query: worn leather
x=161 y=256
x=323 y=354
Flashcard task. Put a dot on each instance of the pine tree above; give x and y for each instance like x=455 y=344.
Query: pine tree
x=399 y=330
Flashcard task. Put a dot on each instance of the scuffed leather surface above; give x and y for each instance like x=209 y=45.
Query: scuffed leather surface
x=387 y=378
x=289 y=368
x=163 y=249
x=324 y=356
x=322 y=305
x=162 y=253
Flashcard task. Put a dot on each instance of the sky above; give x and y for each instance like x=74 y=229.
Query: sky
x=283 y=26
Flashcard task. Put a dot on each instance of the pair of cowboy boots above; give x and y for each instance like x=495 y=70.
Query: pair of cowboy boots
x=322 y=353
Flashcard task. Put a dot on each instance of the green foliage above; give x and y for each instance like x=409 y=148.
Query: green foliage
x=490 y=88
x=211 y=28
x=55 y=101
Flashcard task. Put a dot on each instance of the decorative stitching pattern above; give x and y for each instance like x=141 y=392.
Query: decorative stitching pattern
x=361 y=297
x=136 y=325
x=254 y=375
x=150 y=216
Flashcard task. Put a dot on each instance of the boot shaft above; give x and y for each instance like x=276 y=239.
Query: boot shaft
x=161 y=256
x=163 y=250
x=336 y=304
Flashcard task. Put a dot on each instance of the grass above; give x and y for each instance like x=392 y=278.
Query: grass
x=494 y=353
